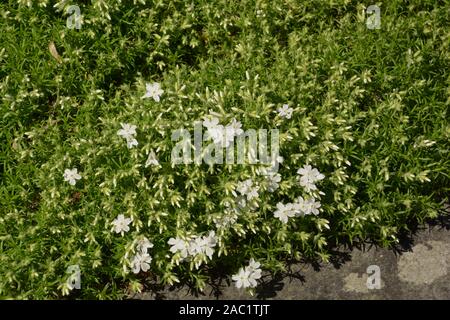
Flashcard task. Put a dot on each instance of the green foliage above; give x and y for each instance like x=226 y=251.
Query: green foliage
x=370 y=112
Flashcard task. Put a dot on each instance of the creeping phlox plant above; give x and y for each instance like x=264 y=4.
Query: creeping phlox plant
x=177 y=142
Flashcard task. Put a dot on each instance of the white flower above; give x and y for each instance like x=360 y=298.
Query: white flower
x=306 y=207
x=71 y=175
x=242 y=278
x=211 y=239
x=131 y=143
x=211 y=122
x=179 y=245
x=222 y=136
x=254 y=275
x=120 y=224
x=151 y=160
x=308 y=177
x=143 y=245
x=311 y=207
x=153 y=91
x=284 y=211
x=217 y=134
x=273 y=179
x=204 y=245
x=299 y=206
x=285 y=111
x=253 y=193
x=141 y=261
x=246 y=188
x=235 y=127
x=210 y=242
x=246 y=277
x=128 y=132
x=196 y=245
x=254 y=268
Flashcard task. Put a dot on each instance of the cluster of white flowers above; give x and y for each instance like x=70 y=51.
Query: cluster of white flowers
x=142 y=259
x=300 y=207
x=247 y=276
x=203 y=245
x=308 y=176
x=285 y=211
x=222 y=136
x=120 y=224
x=307 y=207
x=128 y=132
x=191 y=247
x=179 y=245
x=195 y=245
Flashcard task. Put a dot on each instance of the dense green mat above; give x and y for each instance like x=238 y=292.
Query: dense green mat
x=367 y=106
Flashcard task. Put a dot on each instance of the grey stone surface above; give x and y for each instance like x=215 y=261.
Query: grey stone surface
x=418 y=270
